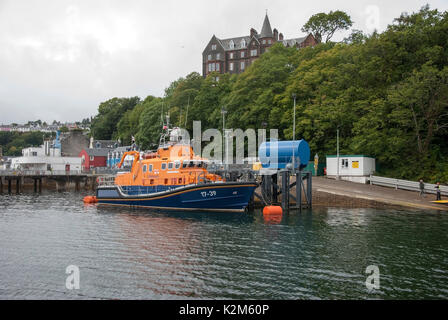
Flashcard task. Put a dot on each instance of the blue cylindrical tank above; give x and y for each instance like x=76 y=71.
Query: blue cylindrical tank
x=277 y=154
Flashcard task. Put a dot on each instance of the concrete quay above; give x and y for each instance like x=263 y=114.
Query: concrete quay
x=338 y=193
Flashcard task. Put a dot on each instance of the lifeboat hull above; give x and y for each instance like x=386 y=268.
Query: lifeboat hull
x=225 y=197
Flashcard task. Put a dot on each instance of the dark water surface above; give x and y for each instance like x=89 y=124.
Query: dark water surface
x=136 y=254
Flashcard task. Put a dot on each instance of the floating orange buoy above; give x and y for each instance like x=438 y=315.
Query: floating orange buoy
x=90 y=199
x=272 y=214
x=272 y=210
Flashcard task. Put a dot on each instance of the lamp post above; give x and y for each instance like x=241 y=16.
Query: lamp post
x=223 y=112
x=337 y=142
x=294 y=135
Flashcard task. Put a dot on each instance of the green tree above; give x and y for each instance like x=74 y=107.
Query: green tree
x=104 y=125
x=324 y=25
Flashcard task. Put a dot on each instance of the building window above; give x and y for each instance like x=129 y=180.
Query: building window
x=231 y=66
x=253 y=53
x=243 y=65
x=243 y=43
x=231 y=44
x=213 y=46
x=218 y=56
x=242 y=54
x=92 y=158
x=231 y=55
x=217 y=67
x=209 y=57
x=269 y=41
x=264 y=41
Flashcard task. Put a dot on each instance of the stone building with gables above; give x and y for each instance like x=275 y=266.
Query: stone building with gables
x=234 y=55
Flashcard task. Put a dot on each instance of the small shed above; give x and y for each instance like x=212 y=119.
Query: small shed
x=354 y=168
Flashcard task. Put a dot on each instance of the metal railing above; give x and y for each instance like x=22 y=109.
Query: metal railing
x=106 y=180
x=406 y=185
x=21 y=173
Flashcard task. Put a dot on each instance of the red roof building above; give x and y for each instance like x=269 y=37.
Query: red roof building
x=94 y=158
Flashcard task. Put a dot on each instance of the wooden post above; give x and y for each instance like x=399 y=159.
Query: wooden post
x=40 y=185
x=310 y=190
x=1 y=185
x=17 y=185
x=9 y=186
x=285 y=190
x=299 y=189
x=275 y=188
x=35 y=185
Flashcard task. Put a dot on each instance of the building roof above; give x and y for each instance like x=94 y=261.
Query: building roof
x=293 y=42
x=122 y=149
x=349 y=156
x=266 y=31
x=97 y=152
x=237 y=42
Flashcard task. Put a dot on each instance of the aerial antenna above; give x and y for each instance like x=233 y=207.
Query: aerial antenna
x=186 y=116
x=180 y=116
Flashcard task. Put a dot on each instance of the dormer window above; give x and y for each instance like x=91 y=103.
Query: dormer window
x=243 y=43
x=213 y=46
x=232 y=44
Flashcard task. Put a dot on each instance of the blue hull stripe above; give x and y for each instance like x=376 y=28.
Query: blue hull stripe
x=230 y=197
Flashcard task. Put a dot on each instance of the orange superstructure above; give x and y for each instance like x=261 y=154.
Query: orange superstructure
x=171 y=165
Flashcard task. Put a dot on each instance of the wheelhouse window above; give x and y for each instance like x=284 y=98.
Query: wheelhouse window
x=177 y=165
x=170 y=165
x=164 y=166
x=184 y=164
x=150 y=168
x=144 y=168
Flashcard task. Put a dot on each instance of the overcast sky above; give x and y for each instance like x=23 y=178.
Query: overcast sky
x=59 y=59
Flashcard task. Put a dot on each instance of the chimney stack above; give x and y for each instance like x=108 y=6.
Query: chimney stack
x=253 y=32
x=275 y=35
x=280 y=37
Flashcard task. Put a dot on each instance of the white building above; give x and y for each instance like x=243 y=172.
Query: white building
x=46 y=159
x=356 y=168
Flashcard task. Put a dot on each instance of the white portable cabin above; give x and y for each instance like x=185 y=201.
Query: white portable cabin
x=355 y=168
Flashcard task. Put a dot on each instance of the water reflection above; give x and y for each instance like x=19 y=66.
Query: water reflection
x=136 y=253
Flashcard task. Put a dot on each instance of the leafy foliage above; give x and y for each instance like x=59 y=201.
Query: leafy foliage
x=386 y=93
x=324 y=25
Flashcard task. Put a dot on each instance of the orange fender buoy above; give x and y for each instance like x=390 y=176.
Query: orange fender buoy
x=90 y=199
x=272 y=210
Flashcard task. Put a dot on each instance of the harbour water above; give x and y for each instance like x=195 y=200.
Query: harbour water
x=126 y=253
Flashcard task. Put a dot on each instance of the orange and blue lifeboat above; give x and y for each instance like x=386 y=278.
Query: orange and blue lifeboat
x=174 y=178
